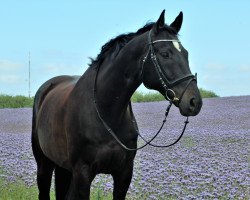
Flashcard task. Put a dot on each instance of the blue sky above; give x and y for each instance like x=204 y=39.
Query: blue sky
x=61 y=35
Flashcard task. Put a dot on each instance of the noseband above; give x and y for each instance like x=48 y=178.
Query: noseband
x=166 y=84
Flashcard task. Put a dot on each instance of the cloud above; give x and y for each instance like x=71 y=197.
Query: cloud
x=53 y=68
x=215 y=66
x=244 y=68
x=193 y=66
x=6 y=65
x=212 y=79
x=10 y=79
x=59 y=69
x=11 y=72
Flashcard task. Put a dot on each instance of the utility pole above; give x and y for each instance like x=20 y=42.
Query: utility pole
x=29 y=75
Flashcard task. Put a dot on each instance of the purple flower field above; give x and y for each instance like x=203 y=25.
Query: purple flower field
x=210 y=162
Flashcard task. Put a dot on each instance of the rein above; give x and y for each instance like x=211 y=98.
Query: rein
x=166 y=84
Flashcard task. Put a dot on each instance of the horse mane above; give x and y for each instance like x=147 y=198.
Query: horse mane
x=116 y=44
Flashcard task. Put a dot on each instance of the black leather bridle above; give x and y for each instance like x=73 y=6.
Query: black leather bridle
x=166 y=84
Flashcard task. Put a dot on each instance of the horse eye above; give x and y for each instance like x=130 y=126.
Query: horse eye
x=165 y=54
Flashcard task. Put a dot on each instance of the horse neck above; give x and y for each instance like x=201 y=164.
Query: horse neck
x=119 y=77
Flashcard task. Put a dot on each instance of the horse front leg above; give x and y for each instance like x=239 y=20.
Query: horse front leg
x=122 y=180
x=80 y=184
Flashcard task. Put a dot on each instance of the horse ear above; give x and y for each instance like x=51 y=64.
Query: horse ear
x=160 y=22
x=177 y=22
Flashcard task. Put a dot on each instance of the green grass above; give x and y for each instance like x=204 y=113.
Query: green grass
x=188 y=141
x=19 y=191
x=19 y=101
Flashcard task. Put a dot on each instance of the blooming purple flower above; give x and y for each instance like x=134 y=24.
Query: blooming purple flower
x=210 y=161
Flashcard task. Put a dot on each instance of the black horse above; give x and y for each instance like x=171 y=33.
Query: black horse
x=72 y=116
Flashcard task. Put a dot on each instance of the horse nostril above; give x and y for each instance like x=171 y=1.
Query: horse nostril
x=192 y=102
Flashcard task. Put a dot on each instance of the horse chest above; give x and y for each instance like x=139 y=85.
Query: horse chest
x=109 y=159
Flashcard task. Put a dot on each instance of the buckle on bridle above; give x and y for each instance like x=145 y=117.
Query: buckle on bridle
x=172 y=99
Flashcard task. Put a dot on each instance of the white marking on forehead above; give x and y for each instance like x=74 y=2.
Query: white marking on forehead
x=177 y=45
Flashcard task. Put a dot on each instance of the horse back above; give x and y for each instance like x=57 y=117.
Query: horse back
x=48 y=117
x=48 y=86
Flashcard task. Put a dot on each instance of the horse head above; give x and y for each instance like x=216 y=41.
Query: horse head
x=166 y=67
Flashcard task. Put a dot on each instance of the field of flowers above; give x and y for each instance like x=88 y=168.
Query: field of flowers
x=210 y=162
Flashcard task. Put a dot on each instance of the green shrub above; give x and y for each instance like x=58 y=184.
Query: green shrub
x=142 y=97
x=155 y=96
x=207 y=93
x=19 y=101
